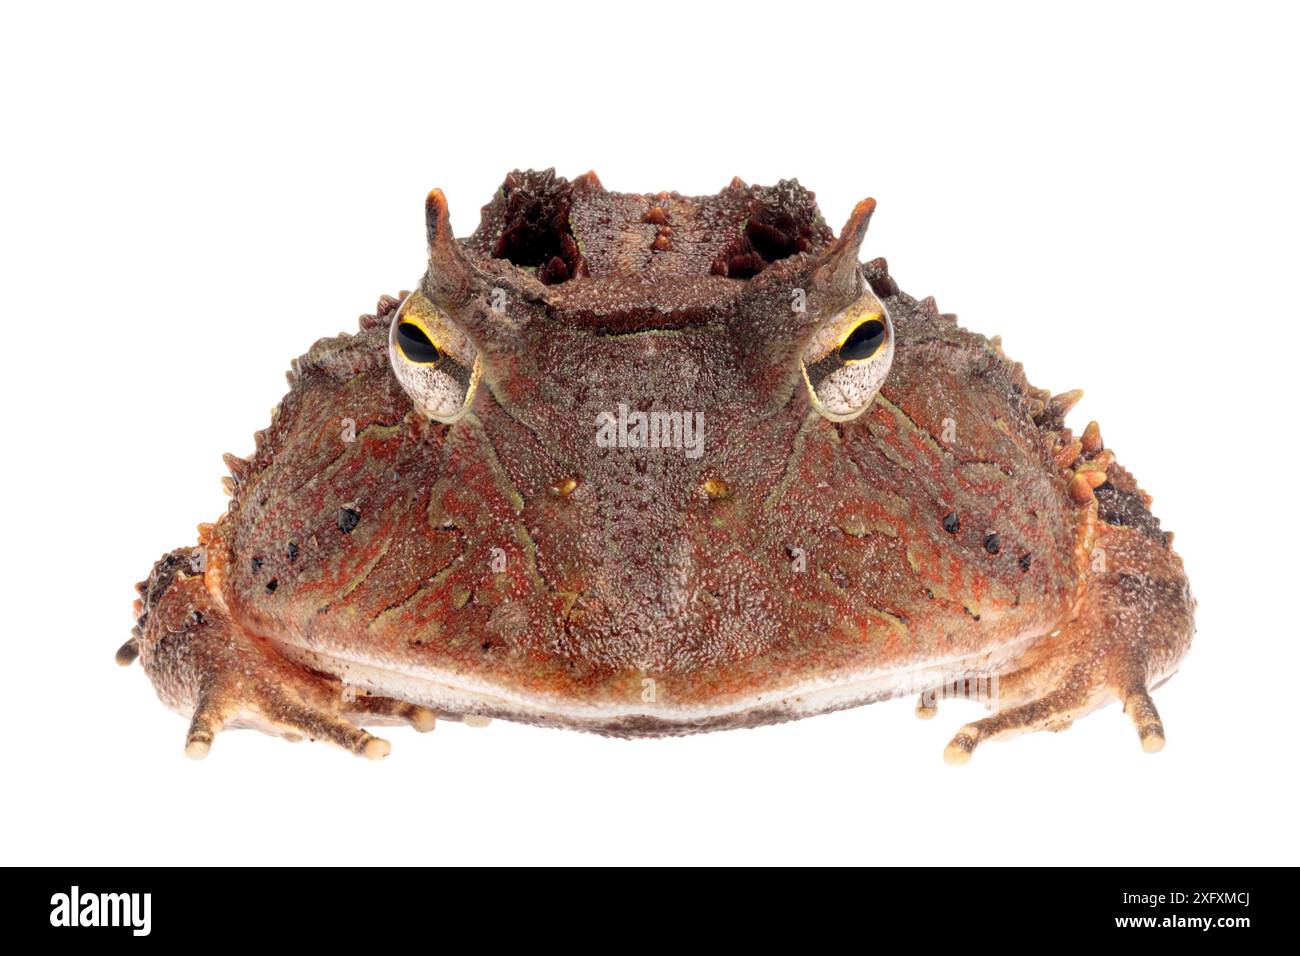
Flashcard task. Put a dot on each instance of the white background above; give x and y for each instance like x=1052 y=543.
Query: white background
x=192 y=196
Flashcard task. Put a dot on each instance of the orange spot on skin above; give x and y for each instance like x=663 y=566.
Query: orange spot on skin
x=716 y=489
x=564 y=487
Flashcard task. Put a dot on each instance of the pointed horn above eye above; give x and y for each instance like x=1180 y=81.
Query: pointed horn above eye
x=450 y=277
x=461 y=289
x=840 y=266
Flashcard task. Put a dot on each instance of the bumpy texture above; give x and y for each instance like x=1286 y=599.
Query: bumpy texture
x=376 y=565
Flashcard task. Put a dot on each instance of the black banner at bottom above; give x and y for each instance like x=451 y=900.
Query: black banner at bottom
x=209 y=906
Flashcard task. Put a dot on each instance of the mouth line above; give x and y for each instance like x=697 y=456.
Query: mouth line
x=453 y=695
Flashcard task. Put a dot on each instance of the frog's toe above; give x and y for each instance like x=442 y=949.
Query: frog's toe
x=319 y=724
x=206 y=723
x=371 y=708
x=1053 y=711
x=926 y=706
x=128 y=652
x=1141 y=709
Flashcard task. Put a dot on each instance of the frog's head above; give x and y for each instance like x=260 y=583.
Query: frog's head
x=644 y=370
x=570 y=300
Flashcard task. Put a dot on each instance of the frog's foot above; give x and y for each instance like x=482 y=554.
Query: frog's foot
x=205 y=666
x=1132 y=626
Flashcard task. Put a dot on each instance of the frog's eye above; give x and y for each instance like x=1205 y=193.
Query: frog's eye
x=848 y=359
x=435 y=363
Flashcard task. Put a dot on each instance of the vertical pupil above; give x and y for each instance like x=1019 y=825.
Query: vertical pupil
x=863 y=342
x=415 y=345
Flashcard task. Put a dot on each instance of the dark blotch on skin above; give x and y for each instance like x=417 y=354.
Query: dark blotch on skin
x=293 y=551
x=992 y=543
x=349 y=518
x=951 y=523
x=256 y=564
x=1025 y=561
x=1127 y=509
x=271 y=585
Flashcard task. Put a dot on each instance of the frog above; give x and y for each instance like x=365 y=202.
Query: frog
x=651 y=464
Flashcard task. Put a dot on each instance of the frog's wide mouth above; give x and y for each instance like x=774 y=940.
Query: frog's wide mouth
x=456 y=695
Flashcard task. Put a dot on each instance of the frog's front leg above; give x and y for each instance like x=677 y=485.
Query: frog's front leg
x=1132 y=625
x=204 y=665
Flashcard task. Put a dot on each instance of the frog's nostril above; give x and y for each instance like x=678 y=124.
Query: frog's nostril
x=535 y=229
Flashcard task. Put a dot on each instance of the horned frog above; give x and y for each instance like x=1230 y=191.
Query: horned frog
x=653 y=465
